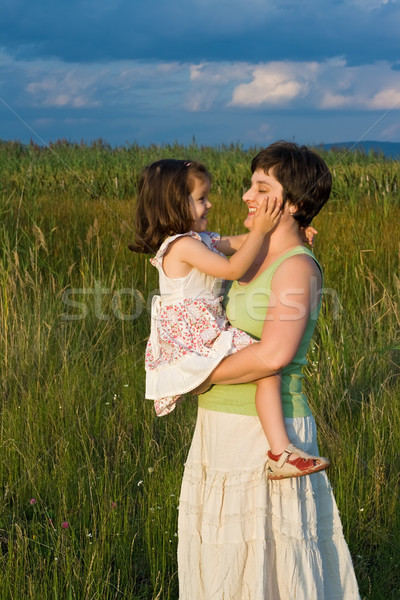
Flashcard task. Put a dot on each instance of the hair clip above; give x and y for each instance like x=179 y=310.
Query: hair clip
x=188 y=163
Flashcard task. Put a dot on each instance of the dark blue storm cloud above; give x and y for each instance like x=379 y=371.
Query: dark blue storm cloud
x=362 y=31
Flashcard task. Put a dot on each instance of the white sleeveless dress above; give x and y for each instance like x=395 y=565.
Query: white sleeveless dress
x=190 y=333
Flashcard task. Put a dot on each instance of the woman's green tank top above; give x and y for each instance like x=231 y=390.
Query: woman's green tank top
x=246 y=308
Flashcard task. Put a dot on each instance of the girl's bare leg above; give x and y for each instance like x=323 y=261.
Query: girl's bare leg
x=285 y=461
x=270 y=412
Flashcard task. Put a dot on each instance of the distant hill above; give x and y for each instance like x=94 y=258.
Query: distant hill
x=388 y=149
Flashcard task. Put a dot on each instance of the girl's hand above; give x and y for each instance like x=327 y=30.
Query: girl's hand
x=308 y=234
x=267 y=215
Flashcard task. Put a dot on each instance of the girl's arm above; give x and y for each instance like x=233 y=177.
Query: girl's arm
x=308 y=234
x=293 y=293
x=190 y=252
x=229 y=244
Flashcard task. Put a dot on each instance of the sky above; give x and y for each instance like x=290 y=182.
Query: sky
x=246 y=72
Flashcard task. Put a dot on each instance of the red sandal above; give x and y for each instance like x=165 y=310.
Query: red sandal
x=280 y=466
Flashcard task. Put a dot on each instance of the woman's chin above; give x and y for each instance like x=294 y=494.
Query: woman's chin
x=248 y=221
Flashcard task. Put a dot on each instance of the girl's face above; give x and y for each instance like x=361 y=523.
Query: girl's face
x=200 y=204
x=261 y=185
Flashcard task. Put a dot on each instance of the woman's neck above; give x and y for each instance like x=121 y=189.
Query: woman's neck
x=283 y=239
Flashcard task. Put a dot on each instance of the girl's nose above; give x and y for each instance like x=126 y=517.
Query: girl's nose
x=209 y=205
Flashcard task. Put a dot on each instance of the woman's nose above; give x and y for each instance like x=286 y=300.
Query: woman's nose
x=246 y=196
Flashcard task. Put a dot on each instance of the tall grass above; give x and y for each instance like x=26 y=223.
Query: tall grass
x=89 y=476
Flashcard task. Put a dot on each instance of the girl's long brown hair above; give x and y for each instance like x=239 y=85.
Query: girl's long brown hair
x=163 y=207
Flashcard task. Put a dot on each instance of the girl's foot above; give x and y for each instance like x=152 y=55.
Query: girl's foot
x=281 y=466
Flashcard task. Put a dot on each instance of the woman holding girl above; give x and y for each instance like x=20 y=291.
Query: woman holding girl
x=190 y=334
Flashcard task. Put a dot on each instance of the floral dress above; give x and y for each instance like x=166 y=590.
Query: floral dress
x=190 y=333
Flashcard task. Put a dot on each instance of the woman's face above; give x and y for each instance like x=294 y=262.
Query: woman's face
x=261 y=185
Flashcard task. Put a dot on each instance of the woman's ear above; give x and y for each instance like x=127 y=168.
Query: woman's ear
x=291 y=208
x=288 y=209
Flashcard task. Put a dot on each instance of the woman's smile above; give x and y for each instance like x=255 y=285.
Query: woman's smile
x=262 y=185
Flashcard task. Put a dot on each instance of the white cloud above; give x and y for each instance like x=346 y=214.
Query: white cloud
x=196 y=71
x=266 y=90
x=332 y=100
x=261 y=135
x=369 y=4
x=275 y=83
x=63 y=88
x=211 y=84
x=219 y=72
x=202 y=87
x=392 y=132
x=386 y=99
x=130 y=84
x=328 y=85
x=366 y=87
x=200 y=98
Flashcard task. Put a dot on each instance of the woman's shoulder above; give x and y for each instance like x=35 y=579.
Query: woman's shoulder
x=295 y=257
x=298 y=267
x=301 y=258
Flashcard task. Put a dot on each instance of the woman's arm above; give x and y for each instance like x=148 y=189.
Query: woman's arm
x=294 y=292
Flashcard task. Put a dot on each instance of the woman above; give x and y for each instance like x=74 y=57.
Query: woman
x=242 y=537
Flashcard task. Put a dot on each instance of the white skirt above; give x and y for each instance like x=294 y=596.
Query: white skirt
x=242 y=537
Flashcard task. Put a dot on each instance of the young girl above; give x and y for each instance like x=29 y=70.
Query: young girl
x=190 y=334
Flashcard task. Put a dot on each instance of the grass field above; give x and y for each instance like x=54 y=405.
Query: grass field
x=89 y=476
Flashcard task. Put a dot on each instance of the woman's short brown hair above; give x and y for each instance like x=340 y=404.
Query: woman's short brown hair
x=303 y=175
